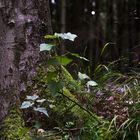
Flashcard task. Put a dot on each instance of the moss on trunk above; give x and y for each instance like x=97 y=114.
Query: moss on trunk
x=13 y=126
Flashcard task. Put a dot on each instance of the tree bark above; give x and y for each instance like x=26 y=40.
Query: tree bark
x=23 y=23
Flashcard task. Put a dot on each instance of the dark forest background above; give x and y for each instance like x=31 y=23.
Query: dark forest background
x=97 y=22
x=56 y=93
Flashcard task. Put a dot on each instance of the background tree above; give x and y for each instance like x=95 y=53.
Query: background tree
x=23 y=23
x=98 y=22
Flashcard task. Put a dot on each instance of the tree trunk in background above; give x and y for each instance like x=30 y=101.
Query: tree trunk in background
x=110 y=30
x=98 y=33
x=116 y=21
x=133 y=31
x=120 y=6
x=63 y=16
x=63 y=22
x=23 y=23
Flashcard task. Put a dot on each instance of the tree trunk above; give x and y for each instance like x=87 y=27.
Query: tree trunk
x=23 y=23
x=63 y=23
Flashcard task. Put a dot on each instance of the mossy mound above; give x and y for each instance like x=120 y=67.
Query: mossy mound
x=13 y=128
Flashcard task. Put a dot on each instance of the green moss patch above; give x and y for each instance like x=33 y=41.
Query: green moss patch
x=13 y=127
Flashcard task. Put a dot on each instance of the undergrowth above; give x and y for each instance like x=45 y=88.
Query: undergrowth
x=78 y=108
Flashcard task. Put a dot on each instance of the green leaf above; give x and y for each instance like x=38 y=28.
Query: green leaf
x=42 y=110
x=78 y=56
x=55 y=86
x=26 y=104
x=46 y=47
x=41 y=100
x=53 y=61
x=59 y=60
x=63 y=60
x=83 y=58
x=104 y=47
x=68 y=36
x=100 y=67
x=91 y=83
x=34 y=97
x=82 y=76
x=138 y=135
x=51 y=37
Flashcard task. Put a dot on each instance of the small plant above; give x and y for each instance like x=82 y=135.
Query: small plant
x=35 y=103
x=59 y=83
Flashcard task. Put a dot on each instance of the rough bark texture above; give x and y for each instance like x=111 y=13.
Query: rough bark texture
x=22 y=24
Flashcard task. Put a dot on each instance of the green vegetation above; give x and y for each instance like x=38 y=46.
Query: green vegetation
x=13 y=127
x=67 y=107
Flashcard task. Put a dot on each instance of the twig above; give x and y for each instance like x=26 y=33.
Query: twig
x=89 y=112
